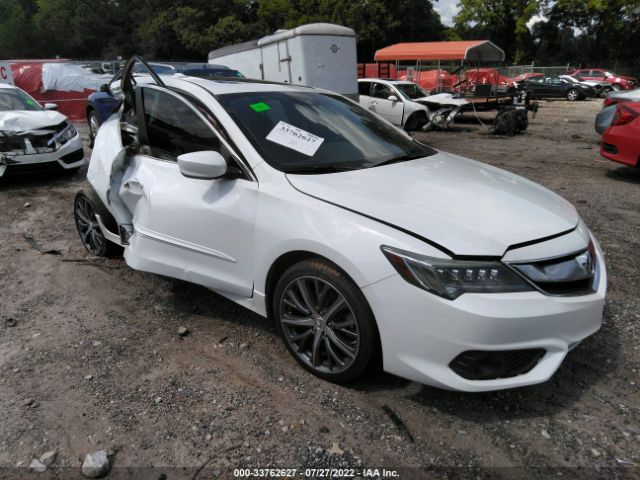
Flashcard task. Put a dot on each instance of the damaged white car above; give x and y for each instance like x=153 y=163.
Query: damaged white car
x=408 y=105
x=33 y=138
x=360 y=242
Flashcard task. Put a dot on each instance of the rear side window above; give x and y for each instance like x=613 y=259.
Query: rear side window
x=364 y=88
x=173 y=128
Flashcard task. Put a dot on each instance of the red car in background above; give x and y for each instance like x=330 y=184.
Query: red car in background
x=618 y=82
x=621 y=141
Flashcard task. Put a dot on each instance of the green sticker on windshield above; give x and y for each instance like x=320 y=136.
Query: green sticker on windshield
x=30 y=102
x=260 y=107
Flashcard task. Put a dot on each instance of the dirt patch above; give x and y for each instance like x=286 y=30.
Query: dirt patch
x=91 y=356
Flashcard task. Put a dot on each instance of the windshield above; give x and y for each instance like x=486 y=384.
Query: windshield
x=299 y=132
x=212 y=72
x=411 y=91
x=11 y=99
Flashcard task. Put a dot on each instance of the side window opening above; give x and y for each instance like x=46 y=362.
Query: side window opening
x=381 y=91
x=173 y=128
x=364 y=88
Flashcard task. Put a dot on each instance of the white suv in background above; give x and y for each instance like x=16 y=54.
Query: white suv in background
x=408 y=105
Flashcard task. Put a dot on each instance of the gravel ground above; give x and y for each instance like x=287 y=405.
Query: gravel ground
x=91 y=358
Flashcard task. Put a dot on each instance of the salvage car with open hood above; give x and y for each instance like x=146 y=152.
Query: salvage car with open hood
x=33 y=138
x=360 y=242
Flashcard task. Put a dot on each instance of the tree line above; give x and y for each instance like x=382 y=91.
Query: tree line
x=566 y=31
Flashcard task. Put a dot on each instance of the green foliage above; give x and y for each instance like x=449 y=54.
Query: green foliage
x=595 y=32
x=502 y=21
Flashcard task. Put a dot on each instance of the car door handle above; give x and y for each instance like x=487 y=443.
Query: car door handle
x=374 y=103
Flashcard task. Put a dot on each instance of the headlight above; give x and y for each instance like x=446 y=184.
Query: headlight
x=67 y=134
x=452 y=278
x=64 y=135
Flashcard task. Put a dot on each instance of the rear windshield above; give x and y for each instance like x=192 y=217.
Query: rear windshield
x=298 y=132
x=11 y=99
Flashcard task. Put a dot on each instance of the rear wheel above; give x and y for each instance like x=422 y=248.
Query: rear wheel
x=325 y=321
x=573 y=95
x=85 y=208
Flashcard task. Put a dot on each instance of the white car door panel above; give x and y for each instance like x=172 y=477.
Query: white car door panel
x=198 y=230
x=387 y=109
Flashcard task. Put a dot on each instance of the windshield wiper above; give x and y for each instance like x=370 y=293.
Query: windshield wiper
x=318 y=169
x=402 y=158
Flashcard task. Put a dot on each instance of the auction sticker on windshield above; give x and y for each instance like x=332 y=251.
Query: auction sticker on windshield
x=295 y=138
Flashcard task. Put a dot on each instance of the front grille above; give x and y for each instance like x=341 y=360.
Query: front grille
x=491 y=365
x=73 y=157
x=573 y=274
x=34 y=141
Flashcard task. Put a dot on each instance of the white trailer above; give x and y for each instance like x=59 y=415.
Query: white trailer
x=319 y=55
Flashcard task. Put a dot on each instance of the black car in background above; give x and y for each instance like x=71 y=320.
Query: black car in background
x=554 y=86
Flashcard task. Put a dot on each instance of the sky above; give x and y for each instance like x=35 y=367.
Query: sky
x=447 y=10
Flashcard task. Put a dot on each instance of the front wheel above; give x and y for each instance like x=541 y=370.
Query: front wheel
x=573 y=95
x=325 y=321
x=85 y=208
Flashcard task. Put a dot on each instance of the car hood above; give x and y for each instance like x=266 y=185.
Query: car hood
x=25 y=120
x=467 y=207
x=442 y=99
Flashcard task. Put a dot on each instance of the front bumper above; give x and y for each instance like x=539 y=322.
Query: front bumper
x=421 y=334
x=67 y=157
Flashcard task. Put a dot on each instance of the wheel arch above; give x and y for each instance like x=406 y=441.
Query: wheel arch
x=287 y=260
x=413 y=116
x=282 y=264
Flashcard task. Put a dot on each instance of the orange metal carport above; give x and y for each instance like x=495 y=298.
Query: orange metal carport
x=471 y=50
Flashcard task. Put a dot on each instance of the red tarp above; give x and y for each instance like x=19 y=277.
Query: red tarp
x=472 y=50
x=27 y=75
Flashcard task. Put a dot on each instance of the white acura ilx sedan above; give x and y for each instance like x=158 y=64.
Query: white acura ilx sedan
x=360 y=242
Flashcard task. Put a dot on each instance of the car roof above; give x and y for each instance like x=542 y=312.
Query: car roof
x=8 y=86
x=221 y=86
x=386 y=80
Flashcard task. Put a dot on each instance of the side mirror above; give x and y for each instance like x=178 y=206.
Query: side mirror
x=104 y=88
x=206 y=165
x=51 y=106
x=392 y=98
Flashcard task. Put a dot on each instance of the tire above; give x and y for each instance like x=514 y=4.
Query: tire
x=416 y=123
x=573 y=95
x=325 y=321
x=94 y=125
x=85 y=207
